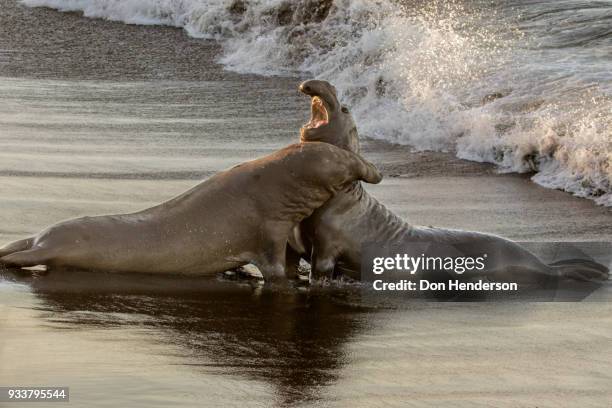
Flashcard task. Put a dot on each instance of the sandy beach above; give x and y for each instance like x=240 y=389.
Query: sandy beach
x=99 y=117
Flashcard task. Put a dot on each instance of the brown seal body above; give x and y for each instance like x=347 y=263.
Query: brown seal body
x=238 y=216
x=336 y=233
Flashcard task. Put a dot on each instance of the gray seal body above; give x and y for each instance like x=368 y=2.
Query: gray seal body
x=334 y=235
x=238 y=216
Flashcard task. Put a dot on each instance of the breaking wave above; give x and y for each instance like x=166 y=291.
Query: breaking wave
x=525 y=85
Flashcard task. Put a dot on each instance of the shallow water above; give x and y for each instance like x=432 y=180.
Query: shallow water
x=94 y=120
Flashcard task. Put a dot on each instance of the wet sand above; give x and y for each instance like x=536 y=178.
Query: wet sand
x=114 y=341
x=135 y=124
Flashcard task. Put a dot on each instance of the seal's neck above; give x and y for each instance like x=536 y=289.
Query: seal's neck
x=355 y=189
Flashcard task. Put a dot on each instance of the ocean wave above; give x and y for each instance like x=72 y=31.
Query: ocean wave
x=525 y=85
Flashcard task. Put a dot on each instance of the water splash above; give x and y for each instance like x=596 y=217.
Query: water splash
x=501 y=84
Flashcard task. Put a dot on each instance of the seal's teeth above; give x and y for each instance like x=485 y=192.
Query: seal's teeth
x=318 y=114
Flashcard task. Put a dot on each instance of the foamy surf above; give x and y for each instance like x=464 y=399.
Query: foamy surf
x=501 y=84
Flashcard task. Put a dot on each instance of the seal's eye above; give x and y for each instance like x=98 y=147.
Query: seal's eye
x=344 y=109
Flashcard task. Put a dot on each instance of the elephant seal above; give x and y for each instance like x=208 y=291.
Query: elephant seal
x=238 y=216
x=336 y=233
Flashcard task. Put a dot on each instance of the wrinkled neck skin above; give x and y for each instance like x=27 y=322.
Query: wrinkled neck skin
x=337 y=230
x=377 y=222
x=335 y=135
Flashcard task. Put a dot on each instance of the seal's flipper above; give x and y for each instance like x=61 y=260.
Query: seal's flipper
x=30 y=257
x=295 y=240
x=272 y=261
x=581 y=270
x=322 y=265
x=16 y=246
x=292 y=269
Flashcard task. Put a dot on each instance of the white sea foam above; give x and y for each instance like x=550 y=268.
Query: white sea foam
x=491 y=84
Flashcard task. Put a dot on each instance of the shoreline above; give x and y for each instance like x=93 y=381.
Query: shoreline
x=116 y=50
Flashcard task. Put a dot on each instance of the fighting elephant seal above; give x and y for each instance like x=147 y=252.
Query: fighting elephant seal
x=238 y=216
x=335 y=234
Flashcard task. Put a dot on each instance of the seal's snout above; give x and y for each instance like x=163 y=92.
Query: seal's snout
x=329 y=121
x=305 y=88
x=316 y=87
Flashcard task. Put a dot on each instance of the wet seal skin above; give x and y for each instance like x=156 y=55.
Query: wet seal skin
x=238 y=216
x=335 y=234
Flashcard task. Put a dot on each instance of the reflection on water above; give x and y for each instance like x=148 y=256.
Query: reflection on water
x=292 y=339
x=147 y=341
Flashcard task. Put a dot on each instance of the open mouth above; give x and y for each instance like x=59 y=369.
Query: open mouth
x=318 y=114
